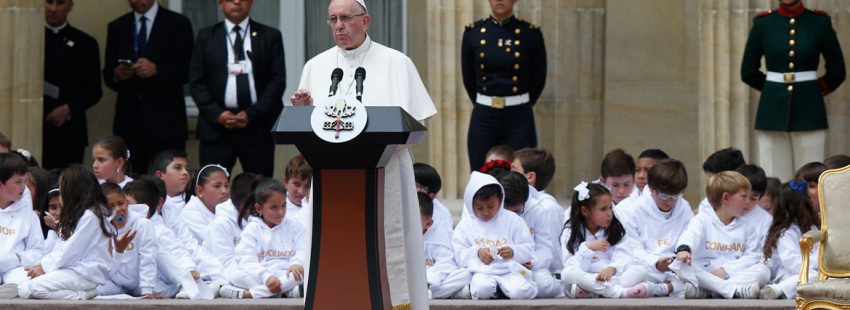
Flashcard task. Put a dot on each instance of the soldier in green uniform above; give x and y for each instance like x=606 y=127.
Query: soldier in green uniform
x=503 y=60
x=791 y=119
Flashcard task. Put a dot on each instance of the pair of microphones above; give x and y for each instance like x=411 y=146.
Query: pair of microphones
x=336 y=77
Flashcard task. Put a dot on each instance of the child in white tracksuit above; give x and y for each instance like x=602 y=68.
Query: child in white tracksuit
x=492 y=242
x=597 y=259
x=791 y=212
x=134 y=249
x=718 y=249
x=79 y=261
x=654 y=223
x=211 y=187
x=21 y=242
x=444 y=278
x=271 y=252
x=225 y=230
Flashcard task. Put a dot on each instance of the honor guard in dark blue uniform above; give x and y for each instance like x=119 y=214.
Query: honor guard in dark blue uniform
x=503 y=60
x=71 y=86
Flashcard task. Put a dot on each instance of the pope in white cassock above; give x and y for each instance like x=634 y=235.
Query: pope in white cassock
x=392 y=80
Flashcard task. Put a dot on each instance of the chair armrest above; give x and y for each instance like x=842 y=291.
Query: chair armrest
x=806 y=243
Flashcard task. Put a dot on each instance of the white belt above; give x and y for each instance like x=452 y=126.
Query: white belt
x=792 y=77
x=501 y=102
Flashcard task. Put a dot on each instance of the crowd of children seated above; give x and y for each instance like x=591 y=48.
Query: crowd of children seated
x=83 y=233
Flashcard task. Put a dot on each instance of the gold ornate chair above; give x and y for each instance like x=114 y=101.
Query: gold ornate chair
x=832 y=288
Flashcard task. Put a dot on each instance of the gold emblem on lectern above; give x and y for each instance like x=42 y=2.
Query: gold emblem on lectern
x=339 y=111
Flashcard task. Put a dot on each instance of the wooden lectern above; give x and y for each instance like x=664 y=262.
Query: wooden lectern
x=347 y=262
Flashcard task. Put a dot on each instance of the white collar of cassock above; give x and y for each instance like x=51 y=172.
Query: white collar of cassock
x=56 y=30
x=360 y=50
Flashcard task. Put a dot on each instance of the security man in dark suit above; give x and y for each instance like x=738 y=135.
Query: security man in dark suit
x=237 y=80
x=71 y=86
x=791 y=120
x=503 y=61
x=147 y=63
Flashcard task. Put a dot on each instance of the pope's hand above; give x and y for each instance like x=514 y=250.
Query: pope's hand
x=301 y=97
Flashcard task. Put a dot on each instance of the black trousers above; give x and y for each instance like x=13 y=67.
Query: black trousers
x=62 y=146
x=252 y=145
x=489 y=127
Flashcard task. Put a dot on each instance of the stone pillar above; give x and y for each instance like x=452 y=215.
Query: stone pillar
x=21 y=72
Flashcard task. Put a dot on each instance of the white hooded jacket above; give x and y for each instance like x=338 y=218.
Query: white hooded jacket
x=265 y=251
x=21 y=239
x=136 y=266
x=734 y=247
x=85 y=252
x=504 y=229
x=653 y=234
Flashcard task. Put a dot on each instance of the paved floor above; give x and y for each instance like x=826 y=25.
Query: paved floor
x=278 y=304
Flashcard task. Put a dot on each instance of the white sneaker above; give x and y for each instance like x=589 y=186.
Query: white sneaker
x=8 y=291
x=91 y=294
x=747 y=291
x=576 y=292
x=769 y=292
x=462 y=293
x=230 y=291
x=693 y=292
x=657 y=289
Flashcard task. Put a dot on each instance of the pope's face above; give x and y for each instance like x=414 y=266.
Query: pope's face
x=348 y=22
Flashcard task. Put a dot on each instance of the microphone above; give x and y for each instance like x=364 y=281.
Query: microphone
x=359 y=76
x=336 y=76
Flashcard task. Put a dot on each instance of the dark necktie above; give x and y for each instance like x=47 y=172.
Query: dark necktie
x=243 y=89
x=142 y=37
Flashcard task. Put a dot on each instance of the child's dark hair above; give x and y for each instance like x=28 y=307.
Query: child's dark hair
x=756 y=176
x=80 y=192
x=164 y=158
x=837 y=161
x=502 y=150
x=617 y=163
x=10 y=165
x=516 y=188
x=655 y=154
x=576 y=223
x=772 y=187
x=668 y=176
x=109 y=188
x=298 y=168
x=541 y=162
x=789 y=207
x=241 y=188
x=117 y=148
x=487 y=191
x=427 y=176
x=426 y=205
x=261 y=191
x=727 y=159
x=41 y=179
x=145 y=191
x=27 y=156
x=810 y=172
x=200 y=178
